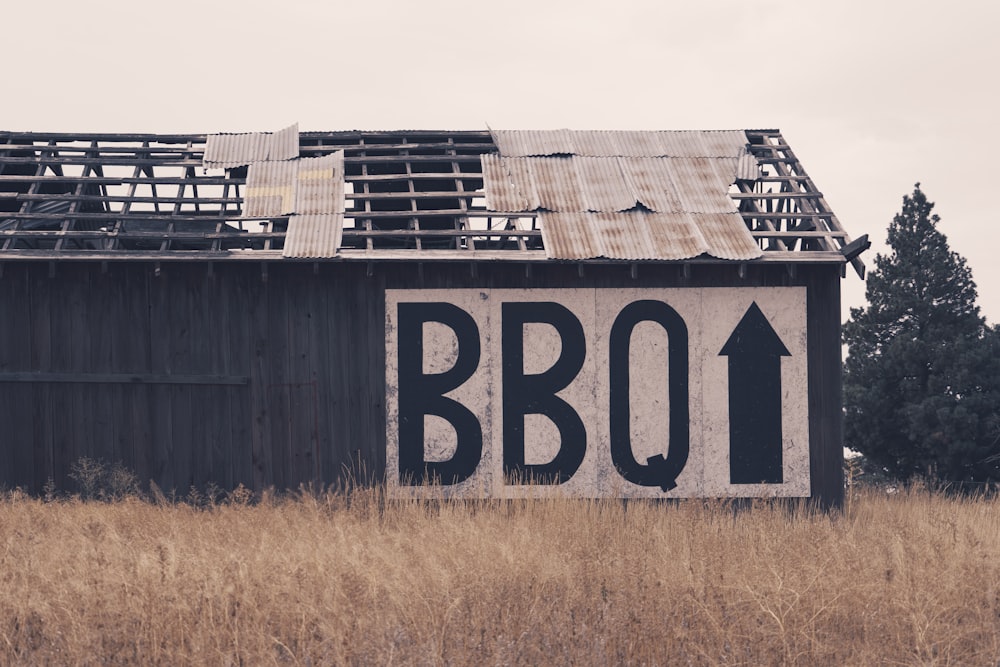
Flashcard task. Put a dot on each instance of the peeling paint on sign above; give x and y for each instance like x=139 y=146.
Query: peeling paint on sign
x=645 y=392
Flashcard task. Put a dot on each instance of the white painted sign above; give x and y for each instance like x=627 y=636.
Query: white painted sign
x=647 y=392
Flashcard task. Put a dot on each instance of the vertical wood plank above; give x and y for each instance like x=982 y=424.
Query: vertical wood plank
x=41 y=360
x=108 y=439
x=18 y=432
x=302 y=390
x=133 y=355
x=237 y=299
x=182 y=347
x=160 y=396
x=278 y=390
x=259 y=304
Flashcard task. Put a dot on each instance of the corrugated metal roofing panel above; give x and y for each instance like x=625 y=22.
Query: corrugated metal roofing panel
x=622 y=235
x=651 y=184
x=702 y=184
x=702 y=143
x=238 y=150
x=640 y=143
x=566 y=236
x=556 y=183
x=748 y=168
x=524 y=183
x=501 y=193
x=603 y=183
x=284 y=144
x=676 y=235
x=525 y=143
x=270 y=189
x=320 y=184
x=633 y=235
x=314 y=236
x=727 y=236
x=575 y=184
x=234 y=150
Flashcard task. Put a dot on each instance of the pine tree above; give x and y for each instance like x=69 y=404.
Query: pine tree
x=922 y=378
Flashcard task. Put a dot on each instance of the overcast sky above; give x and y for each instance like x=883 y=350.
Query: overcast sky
x=872 y=95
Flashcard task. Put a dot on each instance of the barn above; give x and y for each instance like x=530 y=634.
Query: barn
x=500 y=312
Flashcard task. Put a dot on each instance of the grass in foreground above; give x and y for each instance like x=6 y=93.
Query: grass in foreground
x=334 y=579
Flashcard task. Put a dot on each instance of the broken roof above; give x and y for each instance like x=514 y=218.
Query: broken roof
x=706 y=196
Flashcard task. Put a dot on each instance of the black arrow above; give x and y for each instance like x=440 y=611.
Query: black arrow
x=754 y=351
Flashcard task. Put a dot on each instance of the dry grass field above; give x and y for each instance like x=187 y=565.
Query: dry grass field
x=350 y=579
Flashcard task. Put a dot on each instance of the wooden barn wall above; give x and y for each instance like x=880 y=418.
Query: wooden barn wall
x=205 y=374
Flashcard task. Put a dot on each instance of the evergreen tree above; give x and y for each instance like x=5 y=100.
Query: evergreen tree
x=922 y=378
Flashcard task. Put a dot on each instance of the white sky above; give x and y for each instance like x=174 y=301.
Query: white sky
x=872 y=95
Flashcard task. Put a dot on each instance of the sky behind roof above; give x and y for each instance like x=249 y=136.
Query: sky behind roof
x=872 y=96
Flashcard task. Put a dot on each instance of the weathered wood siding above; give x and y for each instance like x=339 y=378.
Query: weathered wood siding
x=213 y=374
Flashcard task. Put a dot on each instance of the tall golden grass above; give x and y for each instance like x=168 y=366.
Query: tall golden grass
x=346 y=579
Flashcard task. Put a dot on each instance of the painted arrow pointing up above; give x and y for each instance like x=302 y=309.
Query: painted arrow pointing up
x=754 y=351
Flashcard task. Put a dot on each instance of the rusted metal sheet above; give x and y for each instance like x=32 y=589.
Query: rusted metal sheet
x=636 y=235
x=320 y=184
x=603 y=184
x=314 y=236
x=225 y=151
x=702 y=184
x=284 y=144
x=677 y=235
x=632 y=235
x=608 y=184
x=703 y=143
x=747 y=168
x=270 y=189
x=554 y=179
x=524 y=143
x=567 y=236
x=727 y=236
x=501 y=193
x=630 y=144
x=602 y=143
x=650 y=182
x=238 y=150
x=503 y=189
